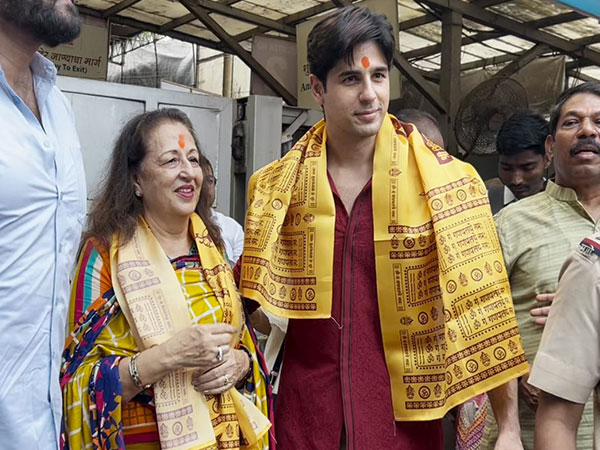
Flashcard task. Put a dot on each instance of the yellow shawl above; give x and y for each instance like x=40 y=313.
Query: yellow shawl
x=447 y=320
x=152 y=300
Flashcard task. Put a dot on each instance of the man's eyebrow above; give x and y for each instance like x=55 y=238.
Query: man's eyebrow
x=577 y=113
x=348 y=72
x=380 y=68
x=570 y=113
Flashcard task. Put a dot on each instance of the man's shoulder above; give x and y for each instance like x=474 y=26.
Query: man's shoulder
x=265 y=170
x=60 y=100
x=524 y=208
x=223 y=220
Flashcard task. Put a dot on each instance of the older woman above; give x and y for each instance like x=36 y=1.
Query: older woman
x=155 y=359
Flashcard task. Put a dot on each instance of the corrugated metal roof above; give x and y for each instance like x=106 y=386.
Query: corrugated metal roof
x=419 y=24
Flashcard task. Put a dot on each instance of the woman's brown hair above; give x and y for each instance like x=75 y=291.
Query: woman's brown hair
x=116 y=209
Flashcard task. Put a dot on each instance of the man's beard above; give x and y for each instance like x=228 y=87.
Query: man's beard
x=43 y=20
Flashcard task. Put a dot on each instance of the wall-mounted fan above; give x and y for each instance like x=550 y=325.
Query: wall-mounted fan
x=483 y=111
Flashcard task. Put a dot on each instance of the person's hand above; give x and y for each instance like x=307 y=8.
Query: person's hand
x=541 y=313
x=197 y=346
x=223 y=377
x=508 y=441
x=528 y=393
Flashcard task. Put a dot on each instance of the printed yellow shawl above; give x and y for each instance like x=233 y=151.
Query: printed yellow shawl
x=151 y=299
x=447 y=319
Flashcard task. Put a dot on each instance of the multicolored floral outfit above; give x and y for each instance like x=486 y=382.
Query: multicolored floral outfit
x=102 y=335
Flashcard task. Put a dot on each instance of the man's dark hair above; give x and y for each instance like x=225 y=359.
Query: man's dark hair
x=411 y=115
x=525 y=130
x=42 y=20
x=334 y=38
x=590 y=87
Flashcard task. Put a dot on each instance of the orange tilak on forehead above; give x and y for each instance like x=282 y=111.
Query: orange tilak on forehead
x=365 y=62
x=181 y=141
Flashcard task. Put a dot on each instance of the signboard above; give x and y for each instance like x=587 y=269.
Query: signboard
x=278 y=56
x=85 y=57
x=305 y=99
x=588 y=7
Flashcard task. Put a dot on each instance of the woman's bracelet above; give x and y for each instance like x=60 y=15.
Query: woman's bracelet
x=134 y=374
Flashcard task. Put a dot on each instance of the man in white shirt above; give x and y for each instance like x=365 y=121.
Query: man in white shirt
x=42 y=209
x=231 y=231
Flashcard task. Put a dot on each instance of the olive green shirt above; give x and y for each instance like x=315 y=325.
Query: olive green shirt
x=537 y=235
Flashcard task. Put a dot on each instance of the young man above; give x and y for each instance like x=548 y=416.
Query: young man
x=381 y=249
x=523 y=158
x=42 y=209
x=538 y=233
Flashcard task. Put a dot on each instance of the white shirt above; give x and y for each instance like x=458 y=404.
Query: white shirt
x=42 y=209
x=233 y=236
x=508 y=196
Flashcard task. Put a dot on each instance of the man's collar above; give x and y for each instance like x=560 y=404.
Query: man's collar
x=43 y=68
x=561 y=193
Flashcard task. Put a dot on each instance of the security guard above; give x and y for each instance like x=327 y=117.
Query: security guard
x=567 y=365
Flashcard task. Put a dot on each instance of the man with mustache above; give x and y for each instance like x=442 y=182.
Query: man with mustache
x=363 y=235
x=42 y=209
x=538 y=233
x=567 y=362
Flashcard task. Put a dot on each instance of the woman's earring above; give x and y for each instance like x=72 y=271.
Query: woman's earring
x=138 y=194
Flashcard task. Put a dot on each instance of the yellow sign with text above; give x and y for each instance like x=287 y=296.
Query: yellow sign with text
x=85 y=57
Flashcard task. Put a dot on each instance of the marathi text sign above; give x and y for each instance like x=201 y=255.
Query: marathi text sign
x=85 y=57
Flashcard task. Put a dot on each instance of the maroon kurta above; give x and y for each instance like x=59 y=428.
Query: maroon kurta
x=334 y=373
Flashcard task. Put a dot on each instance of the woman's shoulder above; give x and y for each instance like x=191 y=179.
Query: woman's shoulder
x=94 y=259
x=92 y=246
x=91 y=280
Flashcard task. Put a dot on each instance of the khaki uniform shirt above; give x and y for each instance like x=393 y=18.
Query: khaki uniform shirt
x=567 y=364
x=537 y=235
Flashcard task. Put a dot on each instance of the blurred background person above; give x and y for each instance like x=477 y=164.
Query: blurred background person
x=523 y=160
x=425 y=123
x=232 y=232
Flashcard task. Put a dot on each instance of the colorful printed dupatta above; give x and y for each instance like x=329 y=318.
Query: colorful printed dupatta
x=447 y=320
x=103 y=336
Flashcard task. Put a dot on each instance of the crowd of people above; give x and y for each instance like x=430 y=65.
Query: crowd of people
x=402 y=299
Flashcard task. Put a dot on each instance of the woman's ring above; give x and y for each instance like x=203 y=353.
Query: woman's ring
x=219 y=354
